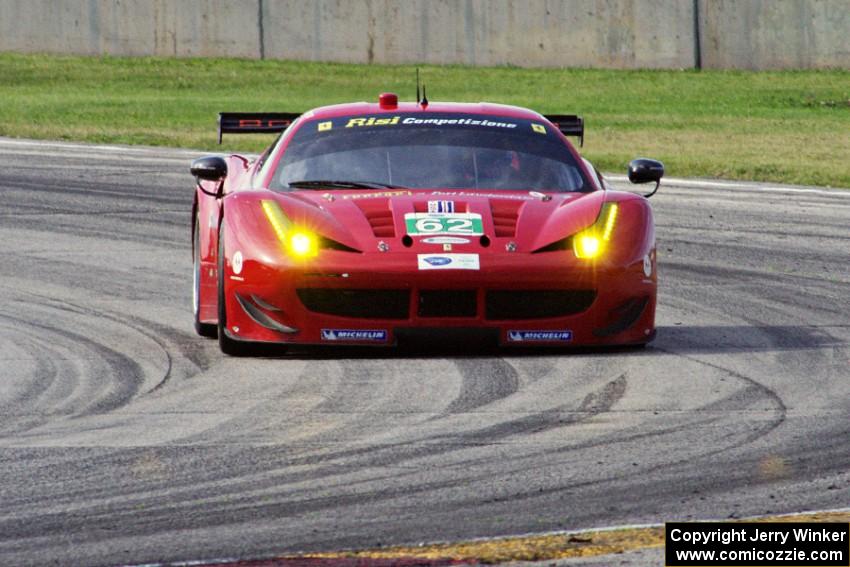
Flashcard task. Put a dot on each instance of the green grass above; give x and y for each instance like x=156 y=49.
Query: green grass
x=791 y=127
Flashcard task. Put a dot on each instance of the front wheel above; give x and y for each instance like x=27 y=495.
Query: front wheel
x=228 y=346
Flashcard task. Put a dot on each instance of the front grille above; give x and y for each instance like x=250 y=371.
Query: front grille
x=447 y=303
x=357 y=303
x=536 y=304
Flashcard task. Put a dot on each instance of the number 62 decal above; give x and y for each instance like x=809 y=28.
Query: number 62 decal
x=432 y=224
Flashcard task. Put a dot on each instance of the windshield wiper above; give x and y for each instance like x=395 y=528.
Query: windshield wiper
x=329 y=184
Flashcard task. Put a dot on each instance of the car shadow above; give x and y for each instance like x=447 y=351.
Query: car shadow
x=684 y=339
x=436 y=345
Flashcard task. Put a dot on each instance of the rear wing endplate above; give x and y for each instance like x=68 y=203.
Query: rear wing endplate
x=568 y=124
x=254 y=122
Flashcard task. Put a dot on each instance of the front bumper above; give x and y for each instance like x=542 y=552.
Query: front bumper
x=522 y=299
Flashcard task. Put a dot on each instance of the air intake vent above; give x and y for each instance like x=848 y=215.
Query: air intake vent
x=505 y=215
x=537 y=304
x=357 y=303
x=447 y=303
x=379 y=215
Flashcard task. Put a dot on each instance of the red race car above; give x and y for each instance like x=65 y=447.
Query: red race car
x=368 y=222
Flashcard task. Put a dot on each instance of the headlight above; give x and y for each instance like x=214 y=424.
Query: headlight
x=299 y=242
x=587 y=246
x=592 y=241
x=303 y=244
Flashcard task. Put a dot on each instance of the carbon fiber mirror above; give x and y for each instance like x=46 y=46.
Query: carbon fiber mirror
x=644 y=170
x=210 y=168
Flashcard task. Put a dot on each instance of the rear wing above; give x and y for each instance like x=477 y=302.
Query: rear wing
x=254 y=122
x=568 y=124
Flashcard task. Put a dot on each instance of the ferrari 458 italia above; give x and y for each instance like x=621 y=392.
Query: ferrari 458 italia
x=364 y=223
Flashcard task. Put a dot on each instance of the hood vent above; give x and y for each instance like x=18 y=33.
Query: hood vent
x=379 y=215
x=505 y=214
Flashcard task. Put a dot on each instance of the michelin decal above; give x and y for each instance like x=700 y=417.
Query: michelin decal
x=371 y=335
x=540 y=336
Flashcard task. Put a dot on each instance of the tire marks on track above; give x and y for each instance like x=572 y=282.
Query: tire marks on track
x=80 y=370
x=200 y=455
x=496 y=380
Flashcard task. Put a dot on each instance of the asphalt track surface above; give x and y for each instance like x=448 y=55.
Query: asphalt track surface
x=125 y=438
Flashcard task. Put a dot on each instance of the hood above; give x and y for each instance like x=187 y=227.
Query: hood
x=417 y=219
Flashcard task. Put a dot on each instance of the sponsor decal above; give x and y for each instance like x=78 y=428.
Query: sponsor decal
x=365 y=121
x=372 y=121
x=324 y=126
x=539 y=128
x=376 y=195
x=485 y=195
x=372 y=335
x=457 y=122
x=445 y=240
x=448 y=261
x=441 y=206
x=432 y=224
x=540 y=336
x=237 y=262
x=647 y=266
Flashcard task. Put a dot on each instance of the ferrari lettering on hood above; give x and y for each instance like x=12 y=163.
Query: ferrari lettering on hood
x=378 y=194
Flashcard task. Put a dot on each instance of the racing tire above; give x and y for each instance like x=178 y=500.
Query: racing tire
x=208 y=330
x=227 y=345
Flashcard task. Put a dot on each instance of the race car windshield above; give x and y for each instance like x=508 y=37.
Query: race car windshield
x=429 y=150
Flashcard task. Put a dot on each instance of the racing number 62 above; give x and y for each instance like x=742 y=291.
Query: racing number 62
x=460 y=226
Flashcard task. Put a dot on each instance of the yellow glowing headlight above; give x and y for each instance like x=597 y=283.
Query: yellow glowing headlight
x=587 y=246
x=298 y=242
x=302 y=244
x=591 y=242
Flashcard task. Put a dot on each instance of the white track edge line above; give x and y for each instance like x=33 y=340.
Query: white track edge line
x=741 y=185
x=153 y=152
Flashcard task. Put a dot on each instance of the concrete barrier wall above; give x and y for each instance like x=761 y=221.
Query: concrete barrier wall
x=751 y=34
x=775 y=34
x=183 y=28
x=564 y=33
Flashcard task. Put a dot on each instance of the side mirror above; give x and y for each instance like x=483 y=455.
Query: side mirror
x=210 y=168
x=643 y=170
